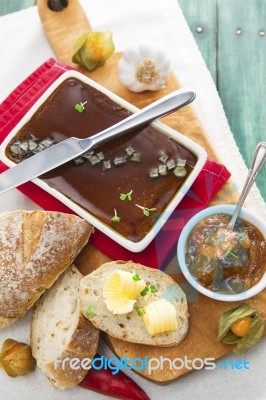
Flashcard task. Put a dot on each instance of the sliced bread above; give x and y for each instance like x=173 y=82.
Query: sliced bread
x=130 y=327
x=60 y=331
x=35 y=248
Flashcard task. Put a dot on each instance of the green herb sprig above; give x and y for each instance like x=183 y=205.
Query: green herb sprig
x=124 y=196
x=146 y=211
x=149 y=289
x=153 y=289
x=115 y=218
x=80 y=106
x=136 y=277
x=145 y=291
x=140 y=311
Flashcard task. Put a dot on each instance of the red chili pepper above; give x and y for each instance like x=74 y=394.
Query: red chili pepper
x=118 y=385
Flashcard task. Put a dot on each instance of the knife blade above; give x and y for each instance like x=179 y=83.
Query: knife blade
x=71 y=148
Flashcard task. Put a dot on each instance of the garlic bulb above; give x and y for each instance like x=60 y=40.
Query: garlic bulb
x=144 y=66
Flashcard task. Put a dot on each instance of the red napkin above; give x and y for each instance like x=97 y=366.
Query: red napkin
x=158 y=253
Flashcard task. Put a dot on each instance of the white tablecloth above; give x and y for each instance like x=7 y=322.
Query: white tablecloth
x=23 y=47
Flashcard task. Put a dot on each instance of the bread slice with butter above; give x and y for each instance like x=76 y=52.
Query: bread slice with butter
x=35 y=248
x=123 y=319
x=60 y=331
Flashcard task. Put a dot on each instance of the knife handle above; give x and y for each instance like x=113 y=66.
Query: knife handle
x=159 y=108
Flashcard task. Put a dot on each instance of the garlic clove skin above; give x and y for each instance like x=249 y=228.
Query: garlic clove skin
x=144 y=66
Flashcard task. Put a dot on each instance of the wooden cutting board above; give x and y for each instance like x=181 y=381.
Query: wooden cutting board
x=62 y=28
x=200 y=341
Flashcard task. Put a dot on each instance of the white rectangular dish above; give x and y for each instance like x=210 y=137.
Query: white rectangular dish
x=101 y=224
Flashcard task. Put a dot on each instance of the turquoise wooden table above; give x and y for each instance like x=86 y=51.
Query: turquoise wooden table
x=231 y=35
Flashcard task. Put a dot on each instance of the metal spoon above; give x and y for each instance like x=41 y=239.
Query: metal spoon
x=258 y=161
x=236 y=285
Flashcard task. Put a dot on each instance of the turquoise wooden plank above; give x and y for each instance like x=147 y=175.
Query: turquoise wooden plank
x=241 y=63
x=9 y=6
x=201 y=17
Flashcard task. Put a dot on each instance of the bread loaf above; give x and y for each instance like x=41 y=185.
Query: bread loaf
x=130 y=326
x=60 y=331
x=35 y=248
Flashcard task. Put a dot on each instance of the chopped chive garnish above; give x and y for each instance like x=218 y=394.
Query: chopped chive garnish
x=146 y=211
x=80 y=106
x=145 y=291
x=124 y=196
x=153 y=289
x=149 y=289
x=115 y=218
x=136 y=277
x=140 y=311
x=91 y=311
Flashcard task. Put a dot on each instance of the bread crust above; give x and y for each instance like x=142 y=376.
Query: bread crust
x=131 y=327
x=83 y=344
x=35 y=248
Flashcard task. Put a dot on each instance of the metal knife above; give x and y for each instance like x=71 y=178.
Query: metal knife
x=68 y=149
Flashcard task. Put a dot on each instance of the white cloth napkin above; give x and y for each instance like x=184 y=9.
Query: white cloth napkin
x=23 y=47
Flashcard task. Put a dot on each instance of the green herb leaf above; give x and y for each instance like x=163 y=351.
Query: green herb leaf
x=146 y=211
x=140 y=311
x=91 y=311
x=115 y=218
x=124 y=196
x=145 y=291
x=136 y=277
x=153 y=289
x=80 y=106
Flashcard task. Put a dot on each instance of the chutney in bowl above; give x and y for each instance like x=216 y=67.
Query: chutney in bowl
x=231 y=269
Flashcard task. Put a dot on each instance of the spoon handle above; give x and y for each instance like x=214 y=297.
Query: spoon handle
x=258 y=161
